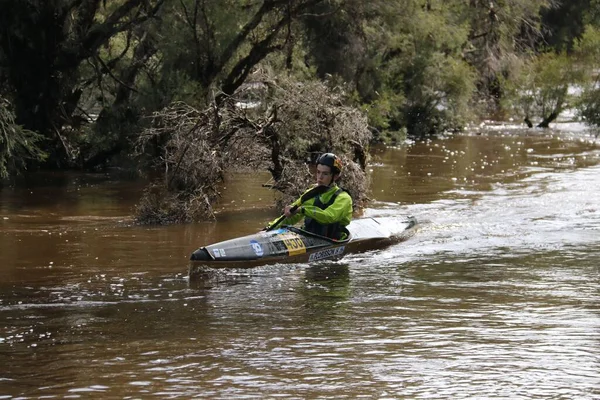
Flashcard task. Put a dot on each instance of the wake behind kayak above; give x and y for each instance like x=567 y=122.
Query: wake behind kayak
x=293 y=245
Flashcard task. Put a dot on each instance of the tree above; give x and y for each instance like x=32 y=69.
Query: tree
x=334 y=38
x=414 y=75
x=566 y=23
x=540 y=90
x=587 y=52
x=217 y=44
x=499 y=33
x=43 y=44
x=63 y=60
x=17 y=145
x=296 y=121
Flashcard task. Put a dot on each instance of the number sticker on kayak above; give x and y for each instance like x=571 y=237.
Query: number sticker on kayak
x=327 y=253
x=295 y=245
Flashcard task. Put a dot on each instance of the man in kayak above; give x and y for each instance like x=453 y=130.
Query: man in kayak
x=324 y=214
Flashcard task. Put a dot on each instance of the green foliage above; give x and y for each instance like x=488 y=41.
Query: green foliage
x=566 y=22
x=380 y=110
x=587 y=50
x=421 y=82
x=589 y=107
x=335 y=45
x=87 y=74
x=197 y=33
x=64 y=60
x=499 y=32
x=539 y=91
x=17 y=144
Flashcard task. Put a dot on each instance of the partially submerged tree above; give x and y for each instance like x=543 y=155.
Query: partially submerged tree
x=294 y=123
x=589 y=109
x=303 y=120
x=539 y=91
x=191 y=168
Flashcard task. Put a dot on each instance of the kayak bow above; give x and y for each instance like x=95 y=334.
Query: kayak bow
x=292 y=245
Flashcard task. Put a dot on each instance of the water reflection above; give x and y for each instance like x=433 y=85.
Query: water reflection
x=495 y=296
x=326 y=286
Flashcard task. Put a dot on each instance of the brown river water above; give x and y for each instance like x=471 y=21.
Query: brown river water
x=497 y=295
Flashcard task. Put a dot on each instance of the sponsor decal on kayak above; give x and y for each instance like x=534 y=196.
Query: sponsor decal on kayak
x=219 y=253
x=293 y=244
x=274 y=232
x=328 y=253
x=258 y=250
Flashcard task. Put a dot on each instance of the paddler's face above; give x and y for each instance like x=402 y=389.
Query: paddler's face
x=324 y=175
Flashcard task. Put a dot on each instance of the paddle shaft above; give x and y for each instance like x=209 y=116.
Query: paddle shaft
x=314 y=192
x=292 y=210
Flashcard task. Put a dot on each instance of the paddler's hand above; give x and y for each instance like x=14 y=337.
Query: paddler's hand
x=288 y=211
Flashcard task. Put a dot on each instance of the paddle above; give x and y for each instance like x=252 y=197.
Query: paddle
x=314 y=192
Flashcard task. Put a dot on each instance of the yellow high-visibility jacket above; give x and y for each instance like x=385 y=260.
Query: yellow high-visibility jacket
x=321 y=217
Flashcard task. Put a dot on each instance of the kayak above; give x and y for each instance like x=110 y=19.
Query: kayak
x=289 y=244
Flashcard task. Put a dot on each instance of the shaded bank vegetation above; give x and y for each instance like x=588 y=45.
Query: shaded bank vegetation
x=194 y=89
x=17 y=145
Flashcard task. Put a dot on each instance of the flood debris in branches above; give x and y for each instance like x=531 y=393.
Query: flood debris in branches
x=289 y=126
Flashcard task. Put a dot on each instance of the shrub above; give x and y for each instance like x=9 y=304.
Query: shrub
x=17 y=144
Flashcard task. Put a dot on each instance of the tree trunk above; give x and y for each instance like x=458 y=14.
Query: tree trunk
x=547 y=120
